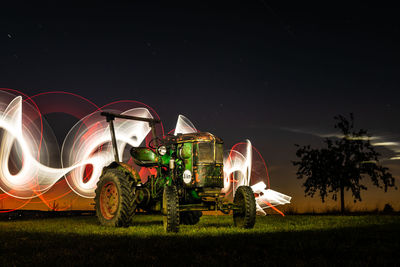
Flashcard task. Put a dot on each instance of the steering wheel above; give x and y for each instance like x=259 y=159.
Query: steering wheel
x=153 y=140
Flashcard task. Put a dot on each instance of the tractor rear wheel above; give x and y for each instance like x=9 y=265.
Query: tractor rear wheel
x=190 y=217
x=245 y=200
x=170 y=209
x=115 y=200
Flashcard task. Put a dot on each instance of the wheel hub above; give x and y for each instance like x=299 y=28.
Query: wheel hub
x=109 y=200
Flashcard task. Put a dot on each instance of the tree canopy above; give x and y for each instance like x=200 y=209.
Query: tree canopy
x=343 y=163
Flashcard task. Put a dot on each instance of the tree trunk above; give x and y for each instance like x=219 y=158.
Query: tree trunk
x=342 y=199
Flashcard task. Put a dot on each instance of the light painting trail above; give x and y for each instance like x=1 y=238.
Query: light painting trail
x=87 y=146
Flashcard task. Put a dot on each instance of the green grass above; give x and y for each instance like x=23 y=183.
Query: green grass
x=291 y=240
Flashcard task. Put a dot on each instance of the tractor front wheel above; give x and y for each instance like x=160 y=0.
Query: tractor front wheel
x=115 y=200
x=170 y=209
x=244 y=199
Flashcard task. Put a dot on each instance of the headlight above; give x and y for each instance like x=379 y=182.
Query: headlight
x=162 y=150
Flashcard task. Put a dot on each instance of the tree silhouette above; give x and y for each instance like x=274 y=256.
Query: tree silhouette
x=342 y=164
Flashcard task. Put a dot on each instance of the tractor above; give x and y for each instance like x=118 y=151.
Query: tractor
x=188 y=180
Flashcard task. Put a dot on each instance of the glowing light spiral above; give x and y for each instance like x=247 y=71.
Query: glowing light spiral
x=88 y=144
x=238 y=171
x=80 y=148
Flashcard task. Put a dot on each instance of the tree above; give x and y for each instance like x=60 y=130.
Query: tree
x=342 y=164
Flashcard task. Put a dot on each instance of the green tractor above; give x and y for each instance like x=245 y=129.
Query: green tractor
x=188 y=181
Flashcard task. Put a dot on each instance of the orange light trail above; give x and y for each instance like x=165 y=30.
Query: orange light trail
x=269 y=204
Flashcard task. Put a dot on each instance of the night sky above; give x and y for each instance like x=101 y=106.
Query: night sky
x=273 y=72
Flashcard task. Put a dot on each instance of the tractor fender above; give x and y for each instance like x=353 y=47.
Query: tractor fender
x=126 y=168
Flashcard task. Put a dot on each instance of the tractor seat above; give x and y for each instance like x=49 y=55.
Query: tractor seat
x=144 y=156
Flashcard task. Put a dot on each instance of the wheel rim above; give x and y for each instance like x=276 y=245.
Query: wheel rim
x=109 y=200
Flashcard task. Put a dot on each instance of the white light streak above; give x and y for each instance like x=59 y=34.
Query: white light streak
x=184 y=126
x=269 y=197
x=88 y=143
x=386 y=144
x=237 y=172
x=80 y=148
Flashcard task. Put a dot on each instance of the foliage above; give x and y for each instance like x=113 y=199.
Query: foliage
x=342 y=164
x=388 y=208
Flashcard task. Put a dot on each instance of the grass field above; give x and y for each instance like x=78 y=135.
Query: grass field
x=292 y=240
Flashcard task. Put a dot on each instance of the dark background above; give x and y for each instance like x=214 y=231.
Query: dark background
x=273 y=72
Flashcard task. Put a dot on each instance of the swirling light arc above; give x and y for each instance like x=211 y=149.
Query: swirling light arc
x=238 y=163
x=34 y=178
x=58 y=102
x=81 y=148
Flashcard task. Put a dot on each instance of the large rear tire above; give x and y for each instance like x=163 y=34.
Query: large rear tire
x=170 y=209
x=245 y=200
x=115 y=200
x=190 y=217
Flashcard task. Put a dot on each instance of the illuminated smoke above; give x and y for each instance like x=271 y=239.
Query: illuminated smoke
x=184 y=126
x=237 y=169
x=88 y=144
x=268 y=198
x=237 y=172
